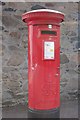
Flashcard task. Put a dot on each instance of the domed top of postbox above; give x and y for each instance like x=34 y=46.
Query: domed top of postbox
x=43 y=15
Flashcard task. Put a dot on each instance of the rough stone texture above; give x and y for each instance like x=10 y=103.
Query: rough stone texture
x=15 y=46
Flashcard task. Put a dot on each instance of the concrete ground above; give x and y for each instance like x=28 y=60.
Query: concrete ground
x=69 y=109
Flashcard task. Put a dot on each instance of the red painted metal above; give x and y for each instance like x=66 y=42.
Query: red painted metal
x=43 y=75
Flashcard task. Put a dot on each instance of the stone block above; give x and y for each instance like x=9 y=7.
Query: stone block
x=16 y=59
x=63 y=59
x=9 y=21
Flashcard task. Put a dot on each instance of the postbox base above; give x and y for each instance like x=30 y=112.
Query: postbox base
x=53 y=113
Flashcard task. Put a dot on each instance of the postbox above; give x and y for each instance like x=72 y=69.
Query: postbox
x=43 y=58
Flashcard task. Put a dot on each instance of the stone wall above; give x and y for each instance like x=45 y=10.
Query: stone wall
x=15 y=47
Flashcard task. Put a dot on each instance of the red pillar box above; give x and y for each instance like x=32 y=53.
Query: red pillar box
x=43 y=58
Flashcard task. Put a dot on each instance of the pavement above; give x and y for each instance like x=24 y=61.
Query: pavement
x=68 y=109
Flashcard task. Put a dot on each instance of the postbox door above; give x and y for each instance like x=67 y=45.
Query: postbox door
x=44 y=73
